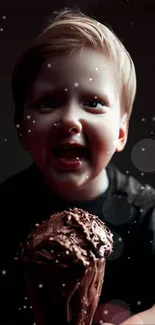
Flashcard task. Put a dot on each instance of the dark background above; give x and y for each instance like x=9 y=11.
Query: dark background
x=134 y=23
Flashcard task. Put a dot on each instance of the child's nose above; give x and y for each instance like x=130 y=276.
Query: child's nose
x=71 y=121
x=71 y=126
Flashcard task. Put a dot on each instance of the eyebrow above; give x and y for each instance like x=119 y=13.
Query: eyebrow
x=100 y=94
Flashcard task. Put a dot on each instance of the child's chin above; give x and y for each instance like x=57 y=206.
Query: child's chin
x=69 y=180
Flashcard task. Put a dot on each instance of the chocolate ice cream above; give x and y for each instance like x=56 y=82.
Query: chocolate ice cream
x=64 y=261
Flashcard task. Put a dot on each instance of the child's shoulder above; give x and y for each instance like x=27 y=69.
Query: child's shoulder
x=138 y=194
x=138 y=200
x=137 y=217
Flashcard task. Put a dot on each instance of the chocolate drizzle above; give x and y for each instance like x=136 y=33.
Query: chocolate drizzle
x=78 y=232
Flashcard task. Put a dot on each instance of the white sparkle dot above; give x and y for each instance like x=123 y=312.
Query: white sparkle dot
x=142 y=187
x=127 y=171
x=37 y=224
x=40 y=285
x=141 y=210
x=143 y=149
x=135 y=221
x=67 y=252
x=33 y=121
x=143 y=119
x=4 y=272
x=16 y=258
x=1 y=29
x=95 y=97
x=153 y=118
x=90 y=79
x=151 y=241
x=4 y=17
x=29 y=130
x=19 y=308
x=128 y=231
x=63 y=285
x=20 y=134
x=56 y=261
x=142 y=174
x=119 y=239
x=49 y=65
x=96 y=69
x=24 y=307
x=17 y=125
x=151 y=132
x=138 y=302
x=30 y=307
x=28 y=117
x=76 y=84
x=25 y=298
x=66 y=89
x=108 y=151
x=115 y=142
x=128 y=257
x=105 y=312
x=5 y=140
x=148 y=187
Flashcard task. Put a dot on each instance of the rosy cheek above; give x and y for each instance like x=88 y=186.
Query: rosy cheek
x=105 y=137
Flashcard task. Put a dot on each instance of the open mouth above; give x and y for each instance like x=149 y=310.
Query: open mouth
x=71 y=153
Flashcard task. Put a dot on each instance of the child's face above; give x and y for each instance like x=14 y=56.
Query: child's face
x=74 y=100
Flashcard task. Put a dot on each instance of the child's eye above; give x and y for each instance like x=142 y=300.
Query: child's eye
x=47 y=104
x=93 y=104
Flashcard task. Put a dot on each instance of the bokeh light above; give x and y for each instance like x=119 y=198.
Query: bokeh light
x=118 y=247
x=117 y=210
x=143 y=155
x=114 y=311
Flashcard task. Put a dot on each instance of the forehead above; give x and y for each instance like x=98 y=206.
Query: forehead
x=79 y=70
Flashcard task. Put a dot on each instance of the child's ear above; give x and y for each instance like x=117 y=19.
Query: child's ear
x=21 y=134
x=123 y=133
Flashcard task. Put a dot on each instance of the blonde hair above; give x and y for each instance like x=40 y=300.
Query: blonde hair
x=69 y=30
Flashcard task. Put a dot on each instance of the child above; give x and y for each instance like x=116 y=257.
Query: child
x=74 y=91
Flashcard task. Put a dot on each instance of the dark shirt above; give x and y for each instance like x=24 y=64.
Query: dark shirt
x=127 y=208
